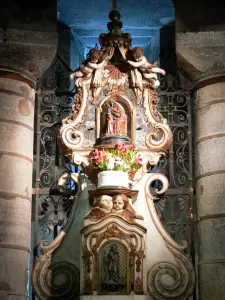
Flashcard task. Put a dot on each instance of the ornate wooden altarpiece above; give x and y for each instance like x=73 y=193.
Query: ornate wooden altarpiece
x=112 y=84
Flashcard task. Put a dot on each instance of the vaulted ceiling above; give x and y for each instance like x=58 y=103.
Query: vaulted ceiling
x=142 y=18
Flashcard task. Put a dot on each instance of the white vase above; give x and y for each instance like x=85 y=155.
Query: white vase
x=113 y=179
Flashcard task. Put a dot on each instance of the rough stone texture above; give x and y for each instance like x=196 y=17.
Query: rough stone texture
x=211 y=195
x=200 y=15
x=27 y=53
x=210 y=155
x=13 y=272
x=210 y=172
x=211 y=120
x=212 y=275
x=14 y=229
x=210 y=136
x=211 y=239
x=201 y=54
x=209 y=93
x=23 y=15
x=17 y=102
x=16 y=147
x=20 y=139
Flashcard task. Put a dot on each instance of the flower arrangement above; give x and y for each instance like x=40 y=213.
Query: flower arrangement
x=120 y=158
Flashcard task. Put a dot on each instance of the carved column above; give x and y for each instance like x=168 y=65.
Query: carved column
x=23 y=57
x=202 y=56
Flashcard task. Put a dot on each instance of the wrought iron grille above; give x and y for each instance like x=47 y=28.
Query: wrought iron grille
x=54 y=95
x=177 y=206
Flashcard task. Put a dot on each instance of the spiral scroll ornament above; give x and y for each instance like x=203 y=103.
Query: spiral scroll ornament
x=69 y=137
x=180 y=278
x=55 y=280
x=168 y=280
x=159 y=138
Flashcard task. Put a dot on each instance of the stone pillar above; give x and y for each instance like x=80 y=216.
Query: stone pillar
x=201 y=55
x=23 y=56
x=210 y=188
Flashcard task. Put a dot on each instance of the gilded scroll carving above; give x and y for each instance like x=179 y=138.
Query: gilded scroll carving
x=181 y=272
x=69 y=136
x=47 y=273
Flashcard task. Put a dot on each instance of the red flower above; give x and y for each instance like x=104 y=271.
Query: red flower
x=122 y=148
x=138 y=159
x=99 y=156
x=133 y=146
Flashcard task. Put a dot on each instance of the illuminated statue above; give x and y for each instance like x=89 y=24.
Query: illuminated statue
x=115 y=119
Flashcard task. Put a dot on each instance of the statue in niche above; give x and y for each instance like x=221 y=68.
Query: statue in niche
x=111 y=263
x=115 y=121
x=143 y=68
x=113 y=278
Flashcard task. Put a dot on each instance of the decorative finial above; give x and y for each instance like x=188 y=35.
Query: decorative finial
x=115 y=37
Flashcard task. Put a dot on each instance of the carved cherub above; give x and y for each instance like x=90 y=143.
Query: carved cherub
x=90 y=70
x=120 y=203
x=84 y=72
x=105 y=203
x=146 y=69
x=122 y=207
x=102 y=207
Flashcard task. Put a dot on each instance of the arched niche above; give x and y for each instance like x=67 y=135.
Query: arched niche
x=121 y=128
x=113 y=268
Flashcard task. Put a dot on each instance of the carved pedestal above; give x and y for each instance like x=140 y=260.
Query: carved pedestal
x=113 y=246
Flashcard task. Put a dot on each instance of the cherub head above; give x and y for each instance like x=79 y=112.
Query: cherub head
x=94 y=55
x=120 y=202
x=137 y=53
x=105 y=202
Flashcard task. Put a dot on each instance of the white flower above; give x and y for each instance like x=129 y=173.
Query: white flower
x=111 y=163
